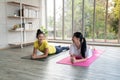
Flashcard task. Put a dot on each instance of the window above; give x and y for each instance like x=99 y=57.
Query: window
x=77 y=15
x=112 y=22
x=100 y=10
x=88 y=19
x=50 y=19
x=67 y=19
x=97 y=19
x=58 y=20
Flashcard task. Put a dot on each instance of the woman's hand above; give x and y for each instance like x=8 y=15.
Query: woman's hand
x=74 y=60
x=34 y=56
x=71 y=59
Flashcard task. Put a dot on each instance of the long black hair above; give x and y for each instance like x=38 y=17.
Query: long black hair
x=82 y=42
x=39 y=32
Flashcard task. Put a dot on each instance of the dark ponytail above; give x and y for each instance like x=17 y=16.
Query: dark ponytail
x=83 y=47
x=82 y=42
x=38 y=32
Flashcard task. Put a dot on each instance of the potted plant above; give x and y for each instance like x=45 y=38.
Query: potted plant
x=42 y=28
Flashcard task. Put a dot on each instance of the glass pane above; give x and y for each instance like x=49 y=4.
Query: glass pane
x=88 y=19
x=100 y=20
x=113 y=21
x=50 y=18
x=58 y=20
x=68 y=19
x=77 y=15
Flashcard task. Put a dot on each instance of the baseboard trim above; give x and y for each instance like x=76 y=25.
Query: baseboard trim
x=89 y=43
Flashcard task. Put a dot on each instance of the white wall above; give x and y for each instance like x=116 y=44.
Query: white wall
x=5 y=23
x=3 y=28
x=43 y=12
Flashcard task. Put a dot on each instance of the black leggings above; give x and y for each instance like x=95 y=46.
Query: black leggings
x=60 y=49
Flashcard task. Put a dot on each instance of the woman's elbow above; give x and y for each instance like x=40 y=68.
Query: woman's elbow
x=85 y=58
x=46 y=55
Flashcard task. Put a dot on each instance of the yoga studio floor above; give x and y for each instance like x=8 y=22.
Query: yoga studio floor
x=12 y=67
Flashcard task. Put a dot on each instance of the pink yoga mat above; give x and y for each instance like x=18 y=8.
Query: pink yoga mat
x=96 y=54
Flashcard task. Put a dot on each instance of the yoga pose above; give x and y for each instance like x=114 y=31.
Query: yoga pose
x=42 y=48
x=79 y=51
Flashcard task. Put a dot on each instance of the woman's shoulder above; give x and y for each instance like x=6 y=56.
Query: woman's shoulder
x=72 y=45
x=45 y=42
x=36 y=41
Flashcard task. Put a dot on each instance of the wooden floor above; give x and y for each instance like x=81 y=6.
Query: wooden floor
x=12 y=67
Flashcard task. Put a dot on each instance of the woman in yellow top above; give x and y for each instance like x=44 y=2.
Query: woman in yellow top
x=42 y=48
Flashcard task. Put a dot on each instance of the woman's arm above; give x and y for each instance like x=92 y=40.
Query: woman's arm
x=34 y=51
x=35 y=56
x=80 y=60
x=43 y=55
x=74 y=60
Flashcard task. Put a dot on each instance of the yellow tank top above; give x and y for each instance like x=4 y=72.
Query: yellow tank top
x=45 y=45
